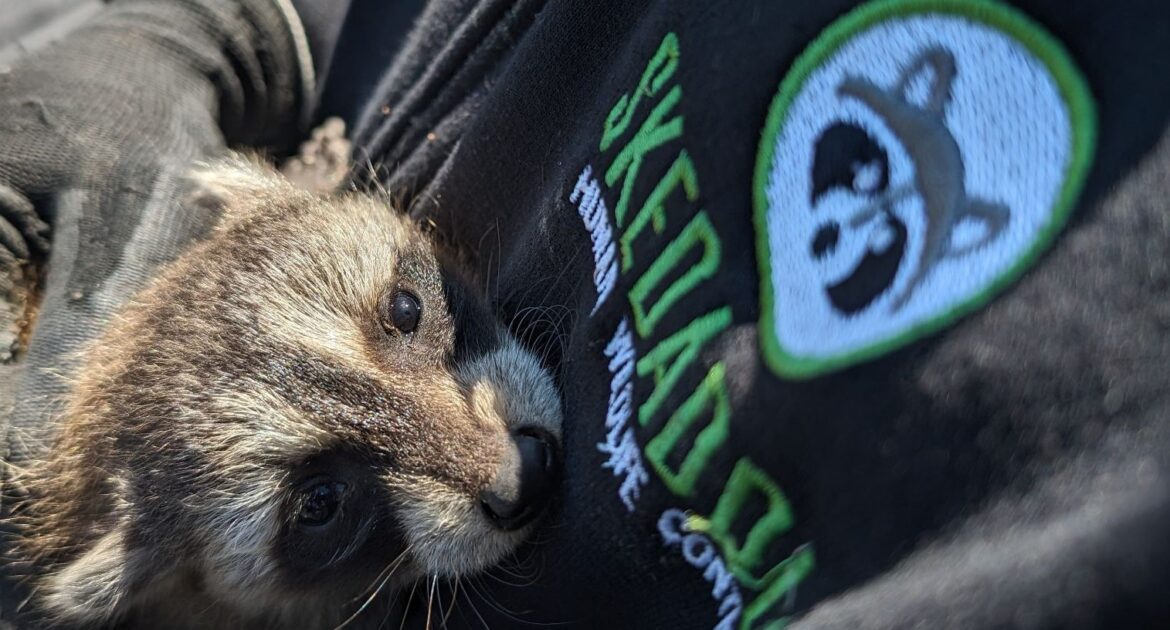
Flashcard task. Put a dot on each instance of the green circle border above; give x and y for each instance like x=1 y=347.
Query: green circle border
x=1082 y=117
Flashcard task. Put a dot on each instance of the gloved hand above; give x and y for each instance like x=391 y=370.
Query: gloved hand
x=96 y=133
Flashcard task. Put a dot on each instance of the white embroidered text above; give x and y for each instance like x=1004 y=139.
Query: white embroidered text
x=700 y=552
x=587 y=195
x=625 y=459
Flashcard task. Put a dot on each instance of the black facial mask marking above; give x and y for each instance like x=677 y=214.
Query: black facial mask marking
x=873 y=275
x=476 y=331
x=842 y=151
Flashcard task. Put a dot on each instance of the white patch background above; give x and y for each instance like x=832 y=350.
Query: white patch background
x=1015 y=135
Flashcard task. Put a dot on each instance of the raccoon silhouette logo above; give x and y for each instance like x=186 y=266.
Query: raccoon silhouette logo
x=918 y=156
x=938 y=178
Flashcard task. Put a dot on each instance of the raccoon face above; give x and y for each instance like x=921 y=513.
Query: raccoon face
x=306 y=408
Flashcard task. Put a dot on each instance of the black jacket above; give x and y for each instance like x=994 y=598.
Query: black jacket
x=969 y=436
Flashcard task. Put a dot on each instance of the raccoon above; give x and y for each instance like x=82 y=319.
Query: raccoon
x=309 y=408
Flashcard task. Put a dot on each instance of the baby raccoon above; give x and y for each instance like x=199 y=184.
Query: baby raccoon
x=305 y=408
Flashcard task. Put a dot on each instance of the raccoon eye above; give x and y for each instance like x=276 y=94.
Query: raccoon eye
x=402 y=312
x=320 y=503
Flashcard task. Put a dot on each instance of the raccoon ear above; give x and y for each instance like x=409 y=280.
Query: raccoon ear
x=234 y=185
x=237 y=175
x=91 y=589
x=926 y=82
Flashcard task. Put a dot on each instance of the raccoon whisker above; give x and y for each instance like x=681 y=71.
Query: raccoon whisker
x=482 y=590
x=547 y=349
x=500 y=251
x=391 y=567
x=532 y=560
x=541 y=536
x=377 y=181
x=364 y=604
x=515 y=560
x=494 y=226
x=345 y=551
x=406 y=608
x=564 y=269
x=438 y=597
x=373 y=178
x=498 y=607
x=539 y=316
x=431 y=598
x=526 y=579
x=389 y=573
x=487 y=279
x=454 y=599
x=475 y=609
x=389 y=612
x=521 y=315
x=487 y=275
x=550 y=281
x=206 y=608
x=549 y=321
x=502 y=580
x=473 y=587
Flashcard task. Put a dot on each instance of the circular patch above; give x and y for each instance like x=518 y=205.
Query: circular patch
x=918 y=157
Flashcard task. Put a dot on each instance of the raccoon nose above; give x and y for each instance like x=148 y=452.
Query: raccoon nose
x=524 y=482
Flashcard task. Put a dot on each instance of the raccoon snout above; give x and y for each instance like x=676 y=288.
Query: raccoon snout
x=526 y=479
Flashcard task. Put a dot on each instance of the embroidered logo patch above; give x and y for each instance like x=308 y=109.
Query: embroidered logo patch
x=918 y=157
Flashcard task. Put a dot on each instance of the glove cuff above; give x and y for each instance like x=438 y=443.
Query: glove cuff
x=256 y=53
